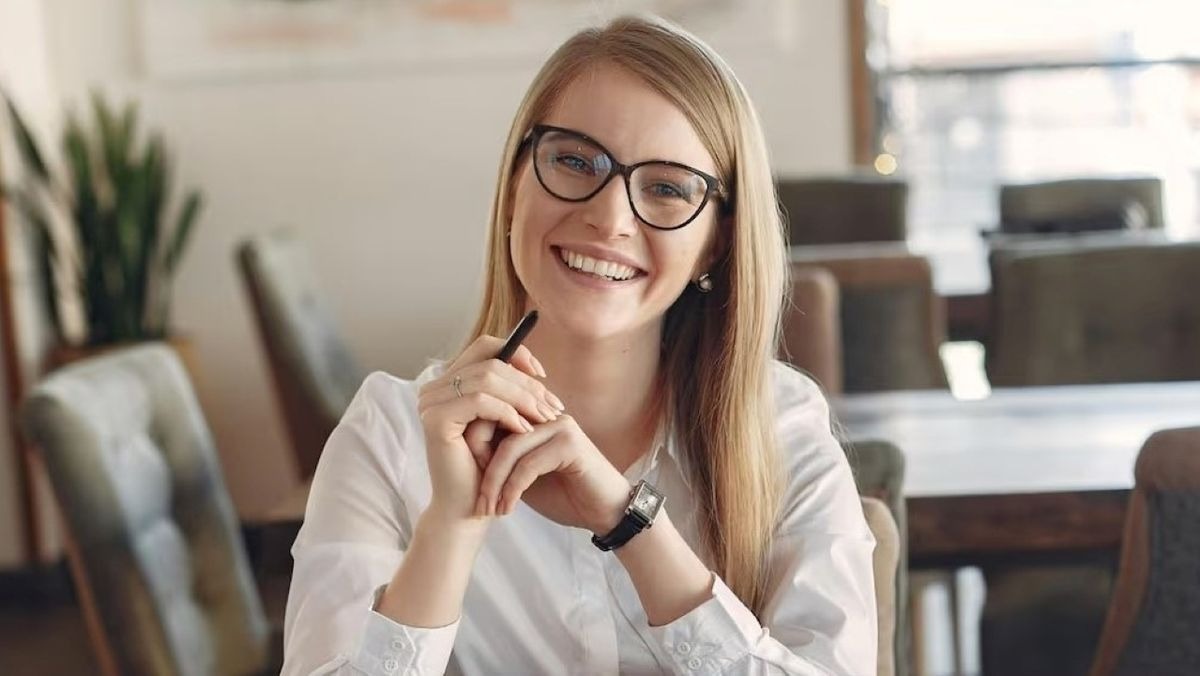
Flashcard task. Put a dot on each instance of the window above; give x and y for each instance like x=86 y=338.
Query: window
x=970 y=95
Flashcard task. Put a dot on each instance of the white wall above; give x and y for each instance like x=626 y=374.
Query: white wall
x=388 y=177
x=26 y=74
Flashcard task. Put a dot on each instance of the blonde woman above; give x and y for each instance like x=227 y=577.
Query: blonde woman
x=643 y=489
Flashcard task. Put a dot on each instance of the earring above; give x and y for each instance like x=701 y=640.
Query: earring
x=705 y=283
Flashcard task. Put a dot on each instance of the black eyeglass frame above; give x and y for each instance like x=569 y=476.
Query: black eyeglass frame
x=714 y=185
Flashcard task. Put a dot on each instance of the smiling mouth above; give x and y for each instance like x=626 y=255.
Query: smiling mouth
x=597 y=268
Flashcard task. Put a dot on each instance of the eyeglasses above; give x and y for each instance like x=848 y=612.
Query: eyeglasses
x=663 y=195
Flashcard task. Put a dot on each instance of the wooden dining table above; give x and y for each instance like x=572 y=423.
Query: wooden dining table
x=1031 y=472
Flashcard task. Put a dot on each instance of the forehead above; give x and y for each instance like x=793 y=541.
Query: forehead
x=634 y=122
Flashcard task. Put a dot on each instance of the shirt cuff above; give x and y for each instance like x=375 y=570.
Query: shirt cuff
x=714 y=636
x=388 y=648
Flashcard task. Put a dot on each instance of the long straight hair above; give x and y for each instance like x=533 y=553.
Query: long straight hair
x=729 y=433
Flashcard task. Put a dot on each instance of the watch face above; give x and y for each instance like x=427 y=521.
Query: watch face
x=646 y=501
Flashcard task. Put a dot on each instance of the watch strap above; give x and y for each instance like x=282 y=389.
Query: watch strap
x=631 y=524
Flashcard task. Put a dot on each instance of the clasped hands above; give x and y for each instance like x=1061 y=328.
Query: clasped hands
x=495 y=435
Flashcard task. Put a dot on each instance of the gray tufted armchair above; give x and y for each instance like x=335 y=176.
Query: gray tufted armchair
x=314 y=372
x=156 y=545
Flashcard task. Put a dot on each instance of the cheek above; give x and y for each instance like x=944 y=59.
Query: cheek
x=684 y=257
x=533 y=211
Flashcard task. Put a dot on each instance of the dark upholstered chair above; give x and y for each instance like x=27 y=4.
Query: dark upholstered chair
x=885 y=560
x=892 y=321
x=1043 y=620
x=844 y=209
x=1069 y=312
x=879 y=472
x=1083 y=204
x=314 y=372
x=1073 y=312
x=1155 y=608
x=812 y=327
x=155 y=543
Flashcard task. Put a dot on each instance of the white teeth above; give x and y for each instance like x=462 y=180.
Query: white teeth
x=608 y=269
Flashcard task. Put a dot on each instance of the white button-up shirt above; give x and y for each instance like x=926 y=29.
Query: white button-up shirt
x=542 y=598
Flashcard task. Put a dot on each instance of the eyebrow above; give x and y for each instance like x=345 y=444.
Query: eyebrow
x=601 y=146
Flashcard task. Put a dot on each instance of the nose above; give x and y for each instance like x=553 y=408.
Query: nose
x=609 y=212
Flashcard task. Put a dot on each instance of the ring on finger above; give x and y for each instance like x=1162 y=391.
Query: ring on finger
x=457 y=384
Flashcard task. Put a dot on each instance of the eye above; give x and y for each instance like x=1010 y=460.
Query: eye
x=668 y=190
x=573 y=163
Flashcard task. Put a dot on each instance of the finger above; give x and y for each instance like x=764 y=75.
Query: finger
x=479 y=435
x=487 y=347
x=507 y=454
x=480 y=349
x=451 y=418
x=498 y=379
x=524 y=361
x=542 y=460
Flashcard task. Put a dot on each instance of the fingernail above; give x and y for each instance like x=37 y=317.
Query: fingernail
x=528 y=427
x=538 y=365
x=547 y=412
x=480 y=506
x=555 y=401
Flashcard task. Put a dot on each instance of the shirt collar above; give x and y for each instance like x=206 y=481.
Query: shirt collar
x=666 y=441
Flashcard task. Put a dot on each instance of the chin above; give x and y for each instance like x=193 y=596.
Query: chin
x=582 y=322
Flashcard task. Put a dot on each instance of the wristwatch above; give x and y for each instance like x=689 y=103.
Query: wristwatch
x=644 y=503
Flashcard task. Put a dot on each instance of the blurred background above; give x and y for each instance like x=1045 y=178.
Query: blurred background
x=309 y=184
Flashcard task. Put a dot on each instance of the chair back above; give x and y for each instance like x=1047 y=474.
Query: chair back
x=884 y=561
x=812 y=328
x=1155 y=606
x=1075 y=312
x=156 y=544
x=892 y=321
x=314 y=372
x=1081 y=204
x=844 y=209
x=879 y=472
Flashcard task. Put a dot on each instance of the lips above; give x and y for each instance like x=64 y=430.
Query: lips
x=599 y=267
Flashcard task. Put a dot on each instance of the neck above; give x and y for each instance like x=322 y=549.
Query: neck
x=609 y=385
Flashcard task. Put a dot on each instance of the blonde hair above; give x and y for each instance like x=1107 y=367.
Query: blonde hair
x=729 y=411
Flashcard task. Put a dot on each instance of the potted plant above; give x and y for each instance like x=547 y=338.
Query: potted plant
x=106 y=241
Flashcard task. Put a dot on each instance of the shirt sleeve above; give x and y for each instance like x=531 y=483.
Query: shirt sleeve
x=820 y=615
x=355 y=531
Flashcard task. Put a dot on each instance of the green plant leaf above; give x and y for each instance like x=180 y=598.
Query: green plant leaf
x=114 y=139
x=79 y=168
x=31 y=155
x=183 y=229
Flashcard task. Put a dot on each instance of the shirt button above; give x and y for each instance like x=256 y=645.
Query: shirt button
x=694 y=663
x=685 y=648
x=391 y=665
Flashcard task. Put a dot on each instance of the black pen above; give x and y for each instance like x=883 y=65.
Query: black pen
x=517 y=336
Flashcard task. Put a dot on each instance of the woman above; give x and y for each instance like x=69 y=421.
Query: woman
x=635 y=211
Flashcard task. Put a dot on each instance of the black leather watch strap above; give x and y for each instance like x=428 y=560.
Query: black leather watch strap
x=631 y=524
x=644 y=504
